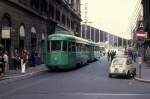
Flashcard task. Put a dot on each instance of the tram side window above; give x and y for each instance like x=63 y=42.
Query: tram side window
x=88 y=48
x=69 y=46
x=77 y=47
x=64 y=45
x=73 y=47
x=55 y=45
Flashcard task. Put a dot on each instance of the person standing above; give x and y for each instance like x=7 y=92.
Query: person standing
x=112 y=55
x=23 y=61
x=6 y=62
x=17 y=60
x=108 y=55
x=2 y=65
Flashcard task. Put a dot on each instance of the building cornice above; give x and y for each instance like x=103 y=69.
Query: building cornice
x=16 y=4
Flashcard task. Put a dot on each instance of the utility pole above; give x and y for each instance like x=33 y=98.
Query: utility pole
x=81 y=31
x=86 y=20
x=113 y=41
x=99 y=34
x=122 y=42
x=117 y=42
x=108 y=42
x=94 y=35
x=90 y=33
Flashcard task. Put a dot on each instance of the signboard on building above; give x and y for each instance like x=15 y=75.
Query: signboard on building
x=140 y=35
x=5 y=33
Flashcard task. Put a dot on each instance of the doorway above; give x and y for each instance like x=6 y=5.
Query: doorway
x=21 y=44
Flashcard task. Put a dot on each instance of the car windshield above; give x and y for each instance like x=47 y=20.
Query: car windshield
x=118 y=61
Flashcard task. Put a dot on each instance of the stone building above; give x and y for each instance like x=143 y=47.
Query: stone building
x=146 y=17
x=27 y=23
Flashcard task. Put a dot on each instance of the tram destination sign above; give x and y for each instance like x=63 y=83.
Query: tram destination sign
x=55 y=38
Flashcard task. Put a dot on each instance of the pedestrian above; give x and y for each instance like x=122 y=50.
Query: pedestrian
x=32 y=58
x=112 y=55
x=23 y=61
x=108 y=55
x=2 y=65
x=6 y=61
x=134 y=56
x=17 y=61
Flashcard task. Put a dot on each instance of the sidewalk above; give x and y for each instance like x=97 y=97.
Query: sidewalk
x=13 y=74
x=145 y=73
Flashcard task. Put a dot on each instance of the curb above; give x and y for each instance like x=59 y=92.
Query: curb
x=142 y=80
x=23 y=75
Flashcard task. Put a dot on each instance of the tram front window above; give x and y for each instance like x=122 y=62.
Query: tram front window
x=55 y=45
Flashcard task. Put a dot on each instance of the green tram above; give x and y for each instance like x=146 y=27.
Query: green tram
x=68 y=51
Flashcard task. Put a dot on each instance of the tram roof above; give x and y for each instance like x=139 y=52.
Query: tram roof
x=68 y=37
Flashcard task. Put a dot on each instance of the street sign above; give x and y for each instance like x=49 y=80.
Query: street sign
x=141 y=35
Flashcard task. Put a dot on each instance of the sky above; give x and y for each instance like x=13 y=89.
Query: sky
x=112 y=16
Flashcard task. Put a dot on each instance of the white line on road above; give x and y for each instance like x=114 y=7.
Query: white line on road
x=105 y=94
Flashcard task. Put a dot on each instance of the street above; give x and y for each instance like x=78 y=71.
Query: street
x=88 y=82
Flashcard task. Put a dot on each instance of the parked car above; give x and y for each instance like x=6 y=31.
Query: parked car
x=122 y=66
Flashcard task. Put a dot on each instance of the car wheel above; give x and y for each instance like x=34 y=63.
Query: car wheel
x=135 y=72
x=128 y=75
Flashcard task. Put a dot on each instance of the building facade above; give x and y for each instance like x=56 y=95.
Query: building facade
x=91 y=33
x=146 y=17
x=25 y=24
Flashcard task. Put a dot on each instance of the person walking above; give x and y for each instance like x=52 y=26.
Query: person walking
x=108 y=55
x=6 y=61
x=134 y=56
x=2 y=65
x=23 y=61
x=17 y=61
x=112 y=55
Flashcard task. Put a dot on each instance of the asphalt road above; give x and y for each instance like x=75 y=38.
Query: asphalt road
x=89 y=82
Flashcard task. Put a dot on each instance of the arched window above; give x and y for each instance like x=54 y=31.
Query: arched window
x=51 y=11
x=6 y=20
x=57 y=15
x=33 y=38
x=35 y=4
x=22 y=31
x=43 y=6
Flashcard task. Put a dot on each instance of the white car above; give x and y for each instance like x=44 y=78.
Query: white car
x=122 y=66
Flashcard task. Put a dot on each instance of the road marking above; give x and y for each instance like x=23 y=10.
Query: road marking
x=130 y=83
x=105 y=94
